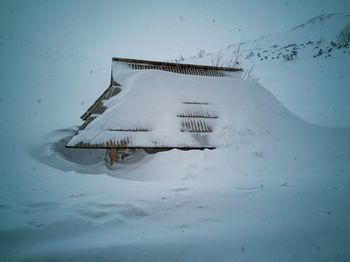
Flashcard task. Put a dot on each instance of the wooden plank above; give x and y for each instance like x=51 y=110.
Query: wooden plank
x=96 y=107
x=169 y=64
x=89 y=146
x=111 y=157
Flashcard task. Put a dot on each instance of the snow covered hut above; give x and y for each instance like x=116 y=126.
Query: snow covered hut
x=156 y=106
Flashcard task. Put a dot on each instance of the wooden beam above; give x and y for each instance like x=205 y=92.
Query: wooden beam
x=177 y=65
x=111 y=157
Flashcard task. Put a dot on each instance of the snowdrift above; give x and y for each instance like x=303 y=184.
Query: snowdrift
x=153 y=100
x=277 y=189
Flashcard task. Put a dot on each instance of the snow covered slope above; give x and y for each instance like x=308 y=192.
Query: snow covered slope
x=278 y=191
x=314 y=83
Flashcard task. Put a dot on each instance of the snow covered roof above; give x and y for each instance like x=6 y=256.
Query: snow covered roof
x=152 y=104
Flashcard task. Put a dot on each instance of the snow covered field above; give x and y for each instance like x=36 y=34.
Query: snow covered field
x=279 y=191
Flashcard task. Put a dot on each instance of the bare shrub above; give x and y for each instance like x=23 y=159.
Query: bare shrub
x=217 y=59
x=236 y=56
x=343 y=37
x=248 y=74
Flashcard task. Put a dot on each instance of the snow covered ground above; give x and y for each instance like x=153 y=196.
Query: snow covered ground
x=278 y=192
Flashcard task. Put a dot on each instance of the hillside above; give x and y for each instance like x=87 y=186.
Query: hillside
x=314 y=82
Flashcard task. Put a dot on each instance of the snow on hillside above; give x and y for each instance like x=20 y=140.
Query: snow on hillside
x=314 y=83
x=279 y=191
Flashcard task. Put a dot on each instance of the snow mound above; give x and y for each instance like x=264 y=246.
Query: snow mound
x=153 y=100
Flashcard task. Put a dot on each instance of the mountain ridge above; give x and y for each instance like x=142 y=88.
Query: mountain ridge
x=305 y=67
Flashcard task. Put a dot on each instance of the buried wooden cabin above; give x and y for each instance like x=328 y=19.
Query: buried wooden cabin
x=147 y=108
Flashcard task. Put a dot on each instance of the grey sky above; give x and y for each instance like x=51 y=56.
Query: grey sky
x=153 y=29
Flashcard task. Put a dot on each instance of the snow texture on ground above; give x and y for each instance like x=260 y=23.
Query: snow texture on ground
x=279 y=191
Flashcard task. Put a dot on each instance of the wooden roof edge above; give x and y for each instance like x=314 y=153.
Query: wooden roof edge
x=145 y=147
x=159 y=63
x=87 y=112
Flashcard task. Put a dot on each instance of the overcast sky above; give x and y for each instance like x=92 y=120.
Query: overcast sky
x=151 y=29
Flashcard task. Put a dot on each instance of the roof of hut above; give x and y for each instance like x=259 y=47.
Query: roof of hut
x=152 y=104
